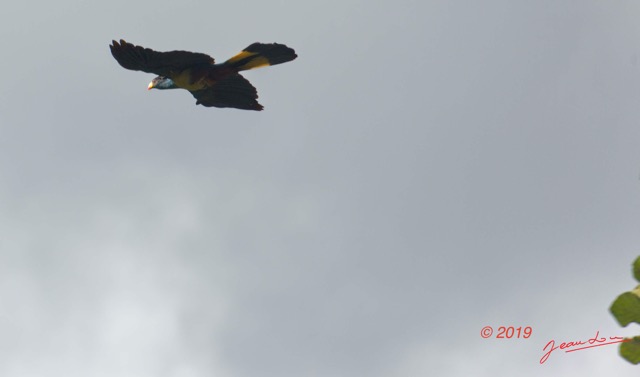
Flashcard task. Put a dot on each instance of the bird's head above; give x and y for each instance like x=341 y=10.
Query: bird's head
x=161 y=82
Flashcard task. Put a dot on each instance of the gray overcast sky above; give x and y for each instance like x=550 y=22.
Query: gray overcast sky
x=422 y=170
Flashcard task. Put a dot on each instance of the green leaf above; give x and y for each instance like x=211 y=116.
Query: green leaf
x=626 y=309
x=631 y=350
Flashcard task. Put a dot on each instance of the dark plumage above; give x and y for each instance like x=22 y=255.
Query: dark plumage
x=217 y=85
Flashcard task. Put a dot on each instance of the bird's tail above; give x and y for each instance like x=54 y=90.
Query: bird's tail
x=261 y=55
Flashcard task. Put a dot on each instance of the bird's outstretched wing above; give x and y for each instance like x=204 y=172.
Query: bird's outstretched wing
x=138 y=58
x=232 y=91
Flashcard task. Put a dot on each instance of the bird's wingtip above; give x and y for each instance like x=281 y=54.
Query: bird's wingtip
x=120 y=43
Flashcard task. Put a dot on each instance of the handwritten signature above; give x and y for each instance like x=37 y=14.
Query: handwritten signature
x=590 y=343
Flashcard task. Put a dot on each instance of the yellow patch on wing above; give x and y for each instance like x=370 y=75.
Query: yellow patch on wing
x=184 y=80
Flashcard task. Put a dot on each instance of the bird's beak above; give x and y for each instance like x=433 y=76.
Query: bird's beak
x=150 y=86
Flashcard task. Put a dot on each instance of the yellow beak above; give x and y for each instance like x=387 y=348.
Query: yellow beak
x=150 y=86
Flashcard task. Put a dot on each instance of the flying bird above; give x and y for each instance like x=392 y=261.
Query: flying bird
x=213 y=85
